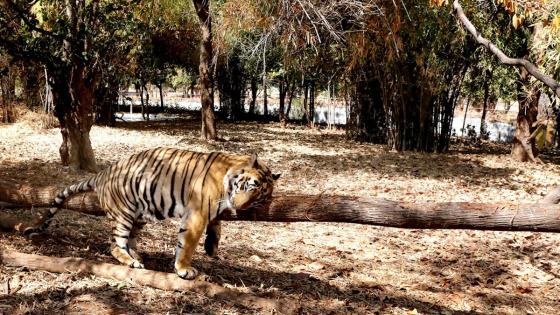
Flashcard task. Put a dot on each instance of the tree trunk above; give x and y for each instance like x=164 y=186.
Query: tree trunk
x=80 y=152
x=145 y=102
x=191 y=88
x=543 y=217
x=141 y=92
x=238 y=85
x=290 y=99
x=31 y=84
x=305 y=94
x=8 y=95
x=311 y=112
x=557 y=132
x=48 y=106
x=264 y=83
x=283 y=88
x=230 y=83
x=483 y=128
x=160 y=87
x=265 y=97
x=74 y=96
x=330 y=116
x=106 y=96
x=524 y=147
x=254 y=90
x=465 y=115
x=208 y=131
x=367 y=103
x=143 y=277
x=23 y=194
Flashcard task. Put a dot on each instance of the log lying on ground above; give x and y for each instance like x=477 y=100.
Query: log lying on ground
x=364 y=210
x=22 y=194
x=143 y=277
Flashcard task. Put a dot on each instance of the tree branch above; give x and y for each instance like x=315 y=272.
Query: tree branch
x=143 y=277
x=530 y=67
x=19 y=50
x=30 y=23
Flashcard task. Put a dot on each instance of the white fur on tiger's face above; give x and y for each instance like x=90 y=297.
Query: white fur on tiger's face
x=249 y=186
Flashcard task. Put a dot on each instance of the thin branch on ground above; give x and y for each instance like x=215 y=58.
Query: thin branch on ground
x=143 y=277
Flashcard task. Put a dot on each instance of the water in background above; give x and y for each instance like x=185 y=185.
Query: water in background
x=498 y=131
x=323 y=114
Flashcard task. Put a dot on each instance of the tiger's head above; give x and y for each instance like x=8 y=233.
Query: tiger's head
x=249 y=185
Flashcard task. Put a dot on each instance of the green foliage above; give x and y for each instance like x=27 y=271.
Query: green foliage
x=494 y=23
x=179 y=78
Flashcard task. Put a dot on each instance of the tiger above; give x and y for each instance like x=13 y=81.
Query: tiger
x=165 y=183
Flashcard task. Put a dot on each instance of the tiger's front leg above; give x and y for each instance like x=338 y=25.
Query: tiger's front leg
x=189 y=234
x=213 y=235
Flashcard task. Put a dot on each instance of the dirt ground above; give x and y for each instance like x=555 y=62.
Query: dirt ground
x=329 y=268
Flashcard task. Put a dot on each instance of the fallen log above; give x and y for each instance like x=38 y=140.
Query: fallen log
x=540 y=217
x=143 y=277
x=26 y=195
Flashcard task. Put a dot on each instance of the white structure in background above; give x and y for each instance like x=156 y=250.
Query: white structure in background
x=498 y=131
x=336 y=113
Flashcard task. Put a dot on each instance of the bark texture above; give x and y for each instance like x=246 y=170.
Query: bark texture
x=542 y=217
x=206 y=82
x=143 y=277
x=524 y=146
x=74 y=94
x=283 y=87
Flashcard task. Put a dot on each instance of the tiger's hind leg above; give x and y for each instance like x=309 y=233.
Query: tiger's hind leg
x=120 y=248
x=213 y=235
x=133 y=238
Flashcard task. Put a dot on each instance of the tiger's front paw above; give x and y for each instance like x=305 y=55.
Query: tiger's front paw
x=187 y=273
x=134 y=254
x=136 y=264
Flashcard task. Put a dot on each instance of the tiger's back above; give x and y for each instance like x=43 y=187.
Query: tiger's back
x=165 y=182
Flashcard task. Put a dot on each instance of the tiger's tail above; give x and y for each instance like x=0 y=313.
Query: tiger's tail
x=45 y=220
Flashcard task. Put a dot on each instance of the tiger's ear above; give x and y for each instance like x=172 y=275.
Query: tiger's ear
x=276 y=176
x=254 y=162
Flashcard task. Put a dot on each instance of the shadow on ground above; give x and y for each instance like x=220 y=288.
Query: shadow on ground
x=471 y=271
